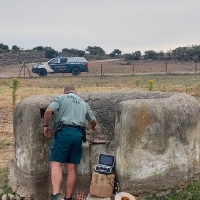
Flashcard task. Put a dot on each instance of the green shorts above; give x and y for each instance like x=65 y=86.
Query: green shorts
x=67 y=146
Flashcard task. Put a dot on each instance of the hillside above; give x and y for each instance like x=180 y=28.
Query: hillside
x=17 y=57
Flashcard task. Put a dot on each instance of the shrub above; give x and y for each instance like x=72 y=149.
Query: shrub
x=150 y=85
x=137 y=81
x=15 y=82
x=163 y=87
x=50 y=53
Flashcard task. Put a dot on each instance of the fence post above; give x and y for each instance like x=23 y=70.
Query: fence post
x=166 y=68
x=196 y=68
x=133 y=68
x=101 y=70
x=24 y=70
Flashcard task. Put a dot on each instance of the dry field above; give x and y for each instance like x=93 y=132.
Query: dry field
x=115 y=76
x=113 y=67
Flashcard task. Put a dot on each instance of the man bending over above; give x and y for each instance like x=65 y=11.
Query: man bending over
x=72 y=113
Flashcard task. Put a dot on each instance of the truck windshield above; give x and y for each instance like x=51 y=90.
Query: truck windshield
x=53 y=61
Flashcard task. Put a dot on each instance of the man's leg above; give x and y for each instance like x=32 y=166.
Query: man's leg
x=56 y=176
x=71 y=179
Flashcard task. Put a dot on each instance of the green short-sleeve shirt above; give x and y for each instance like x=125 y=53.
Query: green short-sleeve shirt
x=72 y=110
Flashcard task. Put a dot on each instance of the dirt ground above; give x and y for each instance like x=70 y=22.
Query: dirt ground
x=6 y=135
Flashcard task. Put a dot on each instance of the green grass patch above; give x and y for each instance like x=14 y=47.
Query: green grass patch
x=4 y=143
x=4 y=181
x=191 y=192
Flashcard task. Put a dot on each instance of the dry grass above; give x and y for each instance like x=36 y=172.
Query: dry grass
x=54 y=85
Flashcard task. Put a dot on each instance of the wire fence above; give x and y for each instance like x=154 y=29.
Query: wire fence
x=108 y=68
x=144 y=68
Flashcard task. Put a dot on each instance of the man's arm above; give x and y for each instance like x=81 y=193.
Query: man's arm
x=47 y=117
x=91 y=118
x=93 y=124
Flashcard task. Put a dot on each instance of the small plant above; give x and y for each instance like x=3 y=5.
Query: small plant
x=150 y=85
x=164 y=87
x=4 y=143
x=15 y=83
x=137 y=81
x=4 y=181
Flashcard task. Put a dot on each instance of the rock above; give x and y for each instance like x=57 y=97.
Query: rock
x=8 y=197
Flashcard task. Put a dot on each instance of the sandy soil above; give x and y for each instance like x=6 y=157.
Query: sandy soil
x=6 y=136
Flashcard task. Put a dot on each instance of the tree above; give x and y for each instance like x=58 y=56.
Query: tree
x=1 y=45
x=195 y=58
x=80 y=53
x=128 y=56
x=193 y=51
x=115 y=53
x=178 y=53
x=4 y=47
x=15 y=48
x=38 y=48
x=73 y=52
x=161 y=55
x=150 y=55
x=95 y=51
x=50 y=53
x=137 y=55
x=112 y=55
x=168 y=55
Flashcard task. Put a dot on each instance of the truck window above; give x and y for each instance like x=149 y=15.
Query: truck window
x=63 y=60
x=53 y=61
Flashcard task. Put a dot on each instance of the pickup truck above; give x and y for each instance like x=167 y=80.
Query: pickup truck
x=74 y=65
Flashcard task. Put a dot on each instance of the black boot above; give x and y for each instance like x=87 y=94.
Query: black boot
x=56 y=197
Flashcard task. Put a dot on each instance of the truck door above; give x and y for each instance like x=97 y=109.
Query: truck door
x=58 y=65
x=64 y=65
x=68 y=66
x=54 y=64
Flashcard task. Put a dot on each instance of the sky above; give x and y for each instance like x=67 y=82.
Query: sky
x=127 y=25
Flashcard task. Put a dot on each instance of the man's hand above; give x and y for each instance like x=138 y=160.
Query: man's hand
x=94 y=124
x=47 y=115
x=47 y=131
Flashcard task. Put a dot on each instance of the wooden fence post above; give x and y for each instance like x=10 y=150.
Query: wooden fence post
x=166 y=68
x=133 y=68
x=101 y=70
x=196 y=68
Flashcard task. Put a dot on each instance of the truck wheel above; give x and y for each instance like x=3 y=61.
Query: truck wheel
x=75 y=72
x=42 y=72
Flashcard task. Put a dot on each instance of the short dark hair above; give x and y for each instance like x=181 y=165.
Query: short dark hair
x=69 y=88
